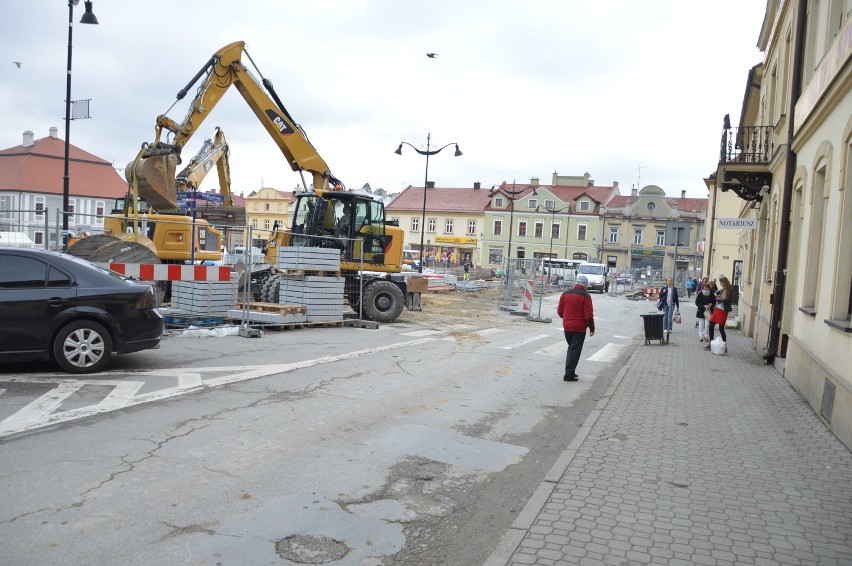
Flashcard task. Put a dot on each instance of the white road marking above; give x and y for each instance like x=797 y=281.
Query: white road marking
x=608 y=353
x=2 y=391
x=554 y=349
x=423 y=332
x=623 y=337
x=39 y=408
x=525 y=341
x=40 y=413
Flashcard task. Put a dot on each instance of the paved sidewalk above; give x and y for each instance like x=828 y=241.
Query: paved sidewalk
x=692 y=458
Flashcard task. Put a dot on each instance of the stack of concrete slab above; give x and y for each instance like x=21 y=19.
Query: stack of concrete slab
x=313 y=280
x=309 y=259
x=321 y=295
x=204 y=298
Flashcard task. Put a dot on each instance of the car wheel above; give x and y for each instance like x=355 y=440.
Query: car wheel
x=84 y=346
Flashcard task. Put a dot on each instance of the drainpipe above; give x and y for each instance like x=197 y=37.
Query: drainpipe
x=779 y=282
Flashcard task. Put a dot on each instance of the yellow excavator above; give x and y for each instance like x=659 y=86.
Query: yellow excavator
x=326 y=215
x=137 y=232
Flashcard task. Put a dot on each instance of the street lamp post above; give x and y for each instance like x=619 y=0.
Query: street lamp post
x=513 y=194
x=427 y=153
x=88 y=18
x=553 y=213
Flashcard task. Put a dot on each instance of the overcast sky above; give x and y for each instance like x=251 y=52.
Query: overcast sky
x=629 y=91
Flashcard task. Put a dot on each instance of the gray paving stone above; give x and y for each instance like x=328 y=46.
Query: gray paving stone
x=723 y=464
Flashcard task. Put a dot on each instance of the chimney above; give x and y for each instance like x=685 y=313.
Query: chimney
x=477 y=185
x=430 y=184
x=683 y=193
x=534 y=181
x=29 y=139
x=634 y=192
x=615 y=184
x=54 y=132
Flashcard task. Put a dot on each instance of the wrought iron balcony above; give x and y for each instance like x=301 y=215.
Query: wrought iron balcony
x=744 y=161
x=750 y=144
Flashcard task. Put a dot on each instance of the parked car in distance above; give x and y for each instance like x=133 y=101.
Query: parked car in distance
x=54 y=306
x=624 y=279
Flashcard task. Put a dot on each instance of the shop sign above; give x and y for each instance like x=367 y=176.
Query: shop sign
x=455 y=240
x=736 y=223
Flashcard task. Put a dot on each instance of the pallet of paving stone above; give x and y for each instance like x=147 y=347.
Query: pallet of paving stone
x=322 y=296
x=326 y=260
x=204 y=297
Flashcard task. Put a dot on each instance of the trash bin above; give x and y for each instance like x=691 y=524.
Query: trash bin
x=653 y=327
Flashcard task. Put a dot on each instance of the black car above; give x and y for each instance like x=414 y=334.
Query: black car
x=56 y=306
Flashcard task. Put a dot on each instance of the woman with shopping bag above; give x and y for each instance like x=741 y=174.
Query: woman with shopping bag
x=670 y=304
x=724 y=300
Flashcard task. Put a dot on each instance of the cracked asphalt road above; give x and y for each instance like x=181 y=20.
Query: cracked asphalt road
x=413 y=444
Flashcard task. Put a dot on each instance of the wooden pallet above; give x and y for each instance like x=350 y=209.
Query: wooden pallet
x=275 y=308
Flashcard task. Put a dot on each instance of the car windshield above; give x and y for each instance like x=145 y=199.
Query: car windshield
x=591 y=269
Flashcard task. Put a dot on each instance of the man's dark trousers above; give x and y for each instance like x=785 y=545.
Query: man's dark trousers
x=575 y=348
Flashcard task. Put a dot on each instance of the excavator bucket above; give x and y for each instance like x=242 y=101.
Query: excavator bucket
x=155 y=177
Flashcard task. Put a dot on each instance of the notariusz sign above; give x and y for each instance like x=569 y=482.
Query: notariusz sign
x=736 y=223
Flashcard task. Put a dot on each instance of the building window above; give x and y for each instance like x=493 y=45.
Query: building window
x=613 y=234
x=38 y=238
x=471 y=227
x=495 y=255
x=539 y=228
x=254 y=223
x=432 y=225
x=532 y=203
x=266 y=224
x=582 y=231
x=550 y=205
x=651 y=207
x=585 y=205
x=498 y=226
x=448 y=227
x=522 y=226
x=100 y=207
x=555 y=229
x=266 y=206
x=498 y=202
x=415 y=224
x=637 y=236
x=71 y=204
x=661 y=238
x=39 y=208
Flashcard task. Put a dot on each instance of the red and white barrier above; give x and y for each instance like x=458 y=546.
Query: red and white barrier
x=528 y=295
x=651 y=293
x=171 y=272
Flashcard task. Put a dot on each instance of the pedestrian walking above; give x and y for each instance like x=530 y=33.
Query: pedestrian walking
x=691 y=287
x=723 y=298
x=704 y=300
x=577 y=314
x=670 y=303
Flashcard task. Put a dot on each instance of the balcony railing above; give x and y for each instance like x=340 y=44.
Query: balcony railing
x=750 y=144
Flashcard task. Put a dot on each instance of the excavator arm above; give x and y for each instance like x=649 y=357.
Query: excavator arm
x=214 y=152
x=225 y=69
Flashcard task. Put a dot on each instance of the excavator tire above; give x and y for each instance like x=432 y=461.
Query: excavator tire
x=271 y=289
x=382 y=301
x=85 y=247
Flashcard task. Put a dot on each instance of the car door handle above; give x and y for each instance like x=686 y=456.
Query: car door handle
x=57 y=301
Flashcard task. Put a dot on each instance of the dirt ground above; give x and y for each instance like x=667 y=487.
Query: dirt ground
x=446 y=308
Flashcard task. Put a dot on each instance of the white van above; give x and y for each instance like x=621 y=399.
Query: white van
x=596 y=274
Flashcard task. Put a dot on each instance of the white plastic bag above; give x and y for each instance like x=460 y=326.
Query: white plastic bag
x=717 y=346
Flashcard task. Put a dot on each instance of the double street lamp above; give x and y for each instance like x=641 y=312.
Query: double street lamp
x=553 y=213
x=88 y=18
x=428 y=152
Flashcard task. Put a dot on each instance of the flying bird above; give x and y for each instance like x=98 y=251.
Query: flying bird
x=18 y=63
x=429 y=55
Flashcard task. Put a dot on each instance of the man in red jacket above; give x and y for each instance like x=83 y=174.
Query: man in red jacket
x=575 y=309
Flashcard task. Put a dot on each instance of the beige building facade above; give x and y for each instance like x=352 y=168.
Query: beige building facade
x=789 y=162
x=265 y=207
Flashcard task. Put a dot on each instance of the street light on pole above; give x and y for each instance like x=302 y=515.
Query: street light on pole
x=427 y=153
x=88 y=18
x=553 y=213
